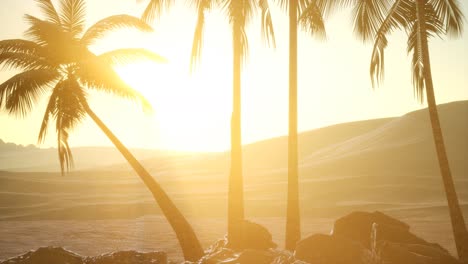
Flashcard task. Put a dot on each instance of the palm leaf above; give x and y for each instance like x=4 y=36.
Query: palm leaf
x=239 y=14
x=426 y=24
x=397 y=17
x=66 y=105
x=368 y=15
x=45 y=32
x=268 y=33
x=311 y=19
x=19 y=46
x=97 y=74
x=125 y=56
x=448 y=11
x=154 y=9
x=72 y=16
x=202 y=6
x=20 y=92
x=49 y=10
x=106 y=25
x=12 y=60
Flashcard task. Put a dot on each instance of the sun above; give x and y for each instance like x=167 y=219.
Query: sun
x=191 y=111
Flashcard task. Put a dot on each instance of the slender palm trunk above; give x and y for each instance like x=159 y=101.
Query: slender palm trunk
x=235 y=193
x=293 y=221
x=188 y=241
x=458 y=223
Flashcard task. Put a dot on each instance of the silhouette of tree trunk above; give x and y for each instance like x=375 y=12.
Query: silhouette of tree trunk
x=458 y=223
x=293 y=224
x=236 y=193
x=188 y=241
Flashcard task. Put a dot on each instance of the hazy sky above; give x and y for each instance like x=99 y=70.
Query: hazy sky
x=192 y=112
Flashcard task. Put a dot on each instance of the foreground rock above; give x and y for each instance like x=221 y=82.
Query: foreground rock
x=58 y=255
x=358 y=238
x=332 y=249
x=46 y=255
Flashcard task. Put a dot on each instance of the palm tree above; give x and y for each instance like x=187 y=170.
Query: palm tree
x=239 y=14
x=421 y=19
x=311 y=19
x=55 y=59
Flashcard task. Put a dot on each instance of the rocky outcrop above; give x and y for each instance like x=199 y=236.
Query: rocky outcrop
x=321 y=248
x=128 y=257
x=58 y=255
x=358 y=238
x=46 y=255
x=255 y=236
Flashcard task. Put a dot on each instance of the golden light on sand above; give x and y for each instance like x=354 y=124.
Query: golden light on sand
x=192 y=111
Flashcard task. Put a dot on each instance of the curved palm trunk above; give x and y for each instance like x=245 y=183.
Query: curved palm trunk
x=458 y=223
x=188 y=241
x=235 y=188
x=293 y=221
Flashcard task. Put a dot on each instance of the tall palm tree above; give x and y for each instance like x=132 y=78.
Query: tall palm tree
x=55 y=59
x=421 y=19
x=239 y=14
x=311 y=19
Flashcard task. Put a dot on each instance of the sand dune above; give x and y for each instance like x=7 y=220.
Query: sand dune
x=384 y=164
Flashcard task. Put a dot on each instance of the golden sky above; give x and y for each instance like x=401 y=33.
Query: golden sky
x=192 y=112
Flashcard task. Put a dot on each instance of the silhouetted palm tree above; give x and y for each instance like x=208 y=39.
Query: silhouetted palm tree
x=55 y=59
x=239 y=14
x=311 y=19
x=421 y=19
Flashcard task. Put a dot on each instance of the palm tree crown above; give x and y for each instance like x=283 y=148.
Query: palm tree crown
x=421 y=19
x=55 y=59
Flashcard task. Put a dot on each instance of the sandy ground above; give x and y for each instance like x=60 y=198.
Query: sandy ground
x=152 y=233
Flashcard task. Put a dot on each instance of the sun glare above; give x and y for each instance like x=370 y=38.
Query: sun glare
x=192 y=111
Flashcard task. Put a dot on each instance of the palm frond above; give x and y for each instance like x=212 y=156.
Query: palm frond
x=49 y=10
x=67 y=100
x=108 y=24
x=19 y=46
x=154 y=9
x=197 y=45
x=97 y=74
x=64 y=151
x=449 y=12
x=13 y=60
x=311 y=19
x=268 y=33
x=45 y=32
x=327 y=7
x=72 y=15
x=301 y=5
x=129 y=55
x=397 y=17
x=415 y=47
x=239 y=13
x=368 y=15
x=20 y=92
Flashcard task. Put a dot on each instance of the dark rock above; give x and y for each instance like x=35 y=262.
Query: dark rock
x=255 y=236
x=129 y=257
x=324 y=249
x=46 y=255
x=251 y=256
x=395 y=253
x=357 y=226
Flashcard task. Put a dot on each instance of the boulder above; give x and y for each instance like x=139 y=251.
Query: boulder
x=395 y=253
x=255 y=236
x=357 y=226
x=129 y=257
x=46 y=255
x=324 y=249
